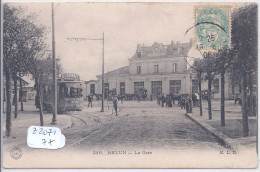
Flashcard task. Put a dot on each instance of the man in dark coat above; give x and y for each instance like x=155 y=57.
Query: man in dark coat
x=170 y=101
x=163 y=100
x=158 y=99
x=90 y=100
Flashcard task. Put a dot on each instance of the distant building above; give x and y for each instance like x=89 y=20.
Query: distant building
x=91 y=87
x=160 y=69
x=29 y=91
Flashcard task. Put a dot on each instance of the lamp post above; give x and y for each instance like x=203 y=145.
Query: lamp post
x=54 y=109
x=103 y=54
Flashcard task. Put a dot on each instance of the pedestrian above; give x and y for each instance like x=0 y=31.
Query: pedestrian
x=115 y=101
x=163 y=100
x=173 y=99
x=89 y=100
x=183 y=101
x=160 y=99
x=151 y=97
x=170 y=101
x=188 y=104
x=167 y=100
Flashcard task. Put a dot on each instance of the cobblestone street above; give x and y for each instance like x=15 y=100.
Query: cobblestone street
x=139 y=125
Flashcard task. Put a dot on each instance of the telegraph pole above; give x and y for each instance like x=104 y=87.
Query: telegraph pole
x=54 y=109
x=103 y=54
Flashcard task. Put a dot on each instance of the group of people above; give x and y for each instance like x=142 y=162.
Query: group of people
x=184 y=101
x=168 y=101
x=115 y=102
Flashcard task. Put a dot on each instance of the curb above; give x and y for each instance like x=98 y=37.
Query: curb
x=222 y=140
x=68 y=125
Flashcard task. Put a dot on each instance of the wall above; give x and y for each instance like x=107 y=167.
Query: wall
x=165 y=65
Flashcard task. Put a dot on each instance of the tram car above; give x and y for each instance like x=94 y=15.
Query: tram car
x=70 y=93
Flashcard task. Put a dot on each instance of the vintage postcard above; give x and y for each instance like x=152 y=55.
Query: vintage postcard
x=130 y=85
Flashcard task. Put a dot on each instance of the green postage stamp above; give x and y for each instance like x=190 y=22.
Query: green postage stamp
x=212 y=27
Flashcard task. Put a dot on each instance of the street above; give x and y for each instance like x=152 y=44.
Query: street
x=142 y=124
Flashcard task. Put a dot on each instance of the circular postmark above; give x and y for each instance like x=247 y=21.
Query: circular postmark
x=16 y=153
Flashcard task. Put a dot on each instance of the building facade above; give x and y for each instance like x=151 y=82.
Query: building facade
x=160 y=69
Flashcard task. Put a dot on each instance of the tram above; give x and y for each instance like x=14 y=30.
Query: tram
x=70 y=93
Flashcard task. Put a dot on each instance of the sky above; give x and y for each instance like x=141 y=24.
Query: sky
x=124 y=25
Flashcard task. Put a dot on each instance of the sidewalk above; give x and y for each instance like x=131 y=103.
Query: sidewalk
x=230 y=135
x=30 y=117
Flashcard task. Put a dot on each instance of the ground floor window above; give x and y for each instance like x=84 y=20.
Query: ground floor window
x=92 y=89
x=138 y=86
x=195 y=86
x=122 y=88
x=175 y=87
x=156 y=87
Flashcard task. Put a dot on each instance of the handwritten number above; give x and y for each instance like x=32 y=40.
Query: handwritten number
x=47 y=133
x=50 y=131
x=44 y=132
x=43 y=141
x=40 y=130
x=34 y=131
x=51 y=141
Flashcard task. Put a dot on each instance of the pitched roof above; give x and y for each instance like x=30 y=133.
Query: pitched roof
x=86 y=82
x=158 y=50
x=120 y=71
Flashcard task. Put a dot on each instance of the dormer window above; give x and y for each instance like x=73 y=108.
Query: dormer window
x=139 y=54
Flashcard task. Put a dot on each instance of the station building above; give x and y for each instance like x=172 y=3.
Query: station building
x=160 y=69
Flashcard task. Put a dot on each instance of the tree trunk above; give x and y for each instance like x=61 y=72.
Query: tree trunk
x=244 y=107
x=223 y=98
x=250 y=101
x=39 y=90
x=21 y=94
x=8 y=102
x=15 y=97
x=200 y=96
x=209 y=98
